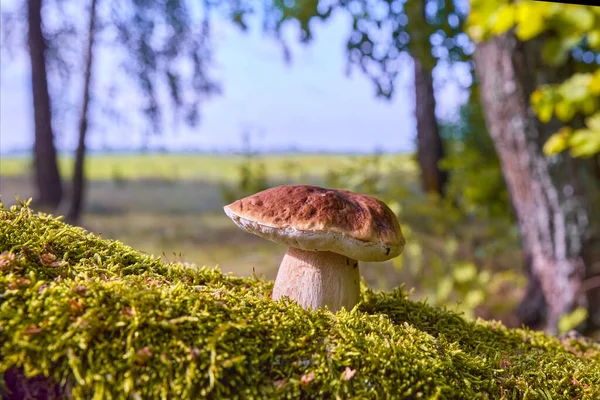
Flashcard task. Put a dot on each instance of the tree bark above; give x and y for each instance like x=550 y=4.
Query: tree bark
x=78 y=186
x=554 y=197
x=47 y=177
x=532 y=311
x=429 y=143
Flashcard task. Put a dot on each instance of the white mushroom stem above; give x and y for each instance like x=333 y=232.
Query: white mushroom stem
x=315 y=279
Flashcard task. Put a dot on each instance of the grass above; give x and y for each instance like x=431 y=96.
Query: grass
x=91 y=318
x=214 y=168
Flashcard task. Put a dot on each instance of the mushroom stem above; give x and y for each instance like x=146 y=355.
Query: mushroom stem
x=315 y=279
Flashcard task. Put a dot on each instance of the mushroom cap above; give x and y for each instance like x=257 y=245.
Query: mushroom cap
x=312 y=218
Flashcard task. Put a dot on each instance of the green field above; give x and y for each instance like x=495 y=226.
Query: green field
x=202 y=167
x=171 y=205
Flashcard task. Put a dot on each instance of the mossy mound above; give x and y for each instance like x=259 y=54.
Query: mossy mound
x=101 y=320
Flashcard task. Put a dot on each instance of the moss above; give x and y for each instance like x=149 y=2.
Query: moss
x=101 y=320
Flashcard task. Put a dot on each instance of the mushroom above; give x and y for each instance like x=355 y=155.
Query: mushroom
x=327 y=231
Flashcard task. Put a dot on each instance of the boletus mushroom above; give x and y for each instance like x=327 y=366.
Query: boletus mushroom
x=327 y=231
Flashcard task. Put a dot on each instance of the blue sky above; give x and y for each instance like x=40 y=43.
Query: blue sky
x=310 y=104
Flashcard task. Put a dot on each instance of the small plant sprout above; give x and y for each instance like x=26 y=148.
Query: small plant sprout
x=327 y=231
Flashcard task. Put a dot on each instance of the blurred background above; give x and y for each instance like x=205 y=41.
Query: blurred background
x=477 y=122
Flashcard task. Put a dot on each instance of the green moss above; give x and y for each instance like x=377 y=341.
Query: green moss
x=105 y=321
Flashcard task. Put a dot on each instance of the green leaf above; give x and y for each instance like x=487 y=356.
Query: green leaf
x=589 y=105
x=503 y=19
x=575 y=88
x=544 y=111
x=478 y=21
x=464 y=272
x=398 y=263
x=579 y=16
x=474 y=298
x=554 y=53
x=585 y=143
x=530 y=21
x=565 y=111
x=557 y=142
x=444 y=288
x=593 y=122
x=594 y=39
x=537 y=97
x=450 y=247
x=594 y=84
x=570 y=321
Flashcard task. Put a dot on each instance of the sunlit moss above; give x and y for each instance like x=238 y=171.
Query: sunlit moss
x=104 y=321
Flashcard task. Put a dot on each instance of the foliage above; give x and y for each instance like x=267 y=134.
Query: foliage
x=460 y=269
x=476 y=184
x=103 y=320
x=430 y=30
x=162 y=46
x=565 y=28
x=477 y=198
x=578 y=95
x=167 y=48
x=252 y=178
x=278 y=13
x=568 y=25
x=570 y=321
x=382 y=30
x=252 y=175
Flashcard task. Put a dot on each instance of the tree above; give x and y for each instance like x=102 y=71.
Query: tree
x=178 y=61
x=175 y=60
x=520 y=46
x=412 y=27
x=381 y=31
x=430 y=150
x=47 y=178
x=78 y=183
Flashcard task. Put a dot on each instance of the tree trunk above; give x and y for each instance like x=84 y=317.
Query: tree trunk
x=532 y=311
x=553 y=197
x=47 y=177
x=78 y=186
x=429 y=143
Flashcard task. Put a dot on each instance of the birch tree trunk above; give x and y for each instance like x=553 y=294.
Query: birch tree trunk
x=556 y=199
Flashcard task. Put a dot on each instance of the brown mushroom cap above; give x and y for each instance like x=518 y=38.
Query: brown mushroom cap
x=318 y=219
